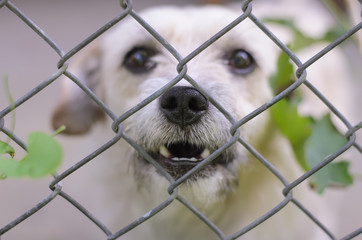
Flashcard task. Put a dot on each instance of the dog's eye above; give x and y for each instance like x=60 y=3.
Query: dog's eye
x=241 y=62
x=138 y=60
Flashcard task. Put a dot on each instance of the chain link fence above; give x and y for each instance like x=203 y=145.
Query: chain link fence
x=56 y=184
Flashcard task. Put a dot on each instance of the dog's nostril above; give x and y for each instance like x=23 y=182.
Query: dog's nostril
x=183 y=105
x=170 y=103
x=195 y=104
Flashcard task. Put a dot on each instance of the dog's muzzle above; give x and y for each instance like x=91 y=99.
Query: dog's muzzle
x=184 y=107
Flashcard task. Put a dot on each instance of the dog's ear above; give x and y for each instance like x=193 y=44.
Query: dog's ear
x=76 y=110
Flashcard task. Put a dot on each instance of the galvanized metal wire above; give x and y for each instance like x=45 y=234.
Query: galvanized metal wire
x=126 y=8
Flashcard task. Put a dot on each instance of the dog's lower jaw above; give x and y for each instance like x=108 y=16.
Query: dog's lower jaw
x=209 y=186
x=183 y=157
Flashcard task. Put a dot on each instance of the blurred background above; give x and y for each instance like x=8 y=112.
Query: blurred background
x=26 y=60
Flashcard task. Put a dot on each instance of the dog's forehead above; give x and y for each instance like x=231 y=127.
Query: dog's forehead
x=186 y=28
x=177 y=24
x=196 y=16
x=181 y=22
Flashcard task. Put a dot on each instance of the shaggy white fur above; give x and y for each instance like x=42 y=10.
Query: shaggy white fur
x=127 y=66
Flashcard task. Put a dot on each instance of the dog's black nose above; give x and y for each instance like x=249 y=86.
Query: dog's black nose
x=183 y=105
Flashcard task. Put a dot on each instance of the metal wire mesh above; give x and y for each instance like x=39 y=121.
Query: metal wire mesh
x=56 y=184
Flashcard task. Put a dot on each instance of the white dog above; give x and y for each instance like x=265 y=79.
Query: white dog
x=183 y=127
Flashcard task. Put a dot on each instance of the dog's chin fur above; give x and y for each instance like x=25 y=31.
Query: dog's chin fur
x=206 y=189
x=234 y=189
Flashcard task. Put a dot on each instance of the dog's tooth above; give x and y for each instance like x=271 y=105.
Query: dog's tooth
x=205 y=153
x=164 y=151
x=193 y=159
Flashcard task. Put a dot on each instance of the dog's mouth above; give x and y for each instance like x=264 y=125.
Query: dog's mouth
x=179 y=158
x=183 y=153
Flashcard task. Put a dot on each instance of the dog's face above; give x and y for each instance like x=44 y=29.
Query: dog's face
x=183 y=126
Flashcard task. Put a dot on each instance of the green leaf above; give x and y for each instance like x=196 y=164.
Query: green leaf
x=8 y=167
x=332 y=175
x=43 y=157
x=312 y=140
x=6 y=149
x=333 y=33
x=324 y=141
x=284 y=76
x=295 y=127
x=292 y=125
x=285 y=113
